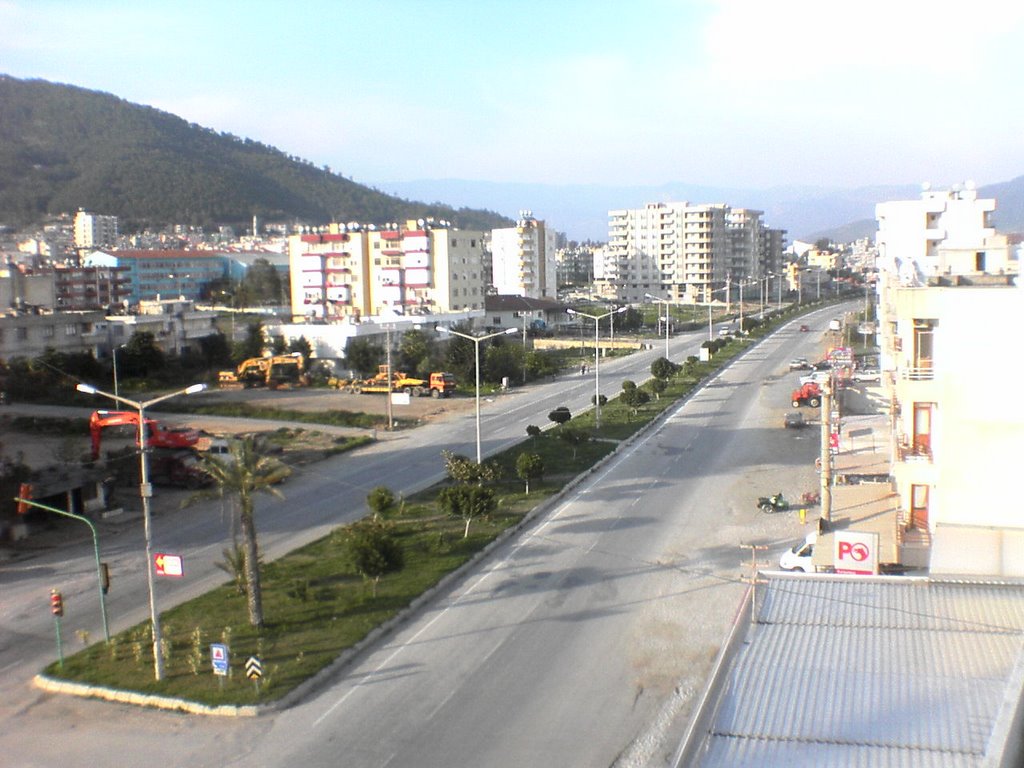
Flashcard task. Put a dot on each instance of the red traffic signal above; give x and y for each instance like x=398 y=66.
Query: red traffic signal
x=56 y=603
x=24 y=492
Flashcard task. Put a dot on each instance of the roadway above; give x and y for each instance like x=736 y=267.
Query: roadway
x=562 y=649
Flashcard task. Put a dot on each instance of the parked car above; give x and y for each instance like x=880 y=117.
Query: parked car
x=818 y=377
x=794 y=420
x=800 y=364
x=800 y=556
x=867 y=374
x=804 y=328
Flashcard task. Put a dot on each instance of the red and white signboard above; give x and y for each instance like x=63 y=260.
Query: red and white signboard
x=856 y=552
x=168 y=565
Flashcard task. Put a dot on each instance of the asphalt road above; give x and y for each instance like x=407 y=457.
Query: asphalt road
x=583 y=641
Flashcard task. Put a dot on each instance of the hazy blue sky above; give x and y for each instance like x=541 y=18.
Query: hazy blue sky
x=744 y=93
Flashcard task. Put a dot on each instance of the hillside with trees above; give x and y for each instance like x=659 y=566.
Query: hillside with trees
x=63 y=148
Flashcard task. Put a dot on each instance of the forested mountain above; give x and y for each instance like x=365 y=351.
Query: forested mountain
x=64 y=148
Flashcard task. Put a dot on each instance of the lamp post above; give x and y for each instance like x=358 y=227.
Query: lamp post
x=476 y=341
x=146 y=491
x=597 y=357
x=656 y=300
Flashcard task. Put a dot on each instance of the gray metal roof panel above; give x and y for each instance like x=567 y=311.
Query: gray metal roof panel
x=895 y=672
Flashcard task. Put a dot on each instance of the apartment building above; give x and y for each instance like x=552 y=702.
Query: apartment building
x=94 y=231
x=523 y=259
x=950 y=313
x=351 y=272
x=687 y=253
x=155 y=274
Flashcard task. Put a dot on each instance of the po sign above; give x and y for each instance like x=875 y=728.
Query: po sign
x=856 y=552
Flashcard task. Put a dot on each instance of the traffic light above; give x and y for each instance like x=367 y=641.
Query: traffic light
x=56 y=603
x=24 y=492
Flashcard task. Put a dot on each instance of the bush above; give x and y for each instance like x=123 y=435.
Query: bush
x=560 y=415
x=533 y=430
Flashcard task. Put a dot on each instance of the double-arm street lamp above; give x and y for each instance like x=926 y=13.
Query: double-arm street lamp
x=476 y=341
x=597 y=357
x=146 y=491
x=666 y=302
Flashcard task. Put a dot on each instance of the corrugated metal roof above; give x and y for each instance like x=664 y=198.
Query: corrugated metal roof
x=890 y=672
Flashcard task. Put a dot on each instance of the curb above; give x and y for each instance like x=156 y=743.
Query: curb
x=82 y=690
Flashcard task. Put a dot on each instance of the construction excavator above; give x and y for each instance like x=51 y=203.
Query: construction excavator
x=274 y=372
x=156 y=435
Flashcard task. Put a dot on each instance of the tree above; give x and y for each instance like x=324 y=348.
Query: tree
x=141 y=355
x=247 y=471
x=468 y=502
x=658 y=386
x=574 y=437
x=540 y=364
x=373 y=550
x=533 y=430
x=528 y=467
x=363 y=356
x=303 y=347
x=460 y=354
x=260 y=285
x=594 y=399
x=502 y=361
x=254 y=342
x=560 y=415
x=461 y=469
x=634 y=398
x=381 y=500
x=415 y=350
x=663 y=368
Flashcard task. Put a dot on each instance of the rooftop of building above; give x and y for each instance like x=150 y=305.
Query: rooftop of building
x=888 y=671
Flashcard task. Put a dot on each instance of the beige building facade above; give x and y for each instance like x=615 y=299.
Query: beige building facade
x=949 y=317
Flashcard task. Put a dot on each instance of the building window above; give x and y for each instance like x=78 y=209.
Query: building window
x=919 y=507
x=924 y=343
x=70 y=330
x=48 y=332
x=922 y=445
x=979 y=261
x=22 y=334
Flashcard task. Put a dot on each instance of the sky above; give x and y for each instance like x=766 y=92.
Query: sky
x=738 y=93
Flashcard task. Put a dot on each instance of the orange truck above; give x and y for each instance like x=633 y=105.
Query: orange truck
x=439 y=384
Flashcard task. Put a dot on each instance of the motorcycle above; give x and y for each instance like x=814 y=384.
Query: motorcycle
x=769 y=504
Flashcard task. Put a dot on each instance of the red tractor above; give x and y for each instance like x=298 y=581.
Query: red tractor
x=808 y=394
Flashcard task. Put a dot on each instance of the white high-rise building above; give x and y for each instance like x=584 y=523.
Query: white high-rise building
x=523 y=259
x=94 y=231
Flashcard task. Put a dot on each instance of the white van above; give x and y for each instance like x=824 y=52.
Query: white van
x=835 y=324
x=798 y=558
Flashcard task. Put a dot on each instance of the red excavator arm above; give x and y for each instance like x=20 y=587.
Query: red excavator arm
x=156 y=436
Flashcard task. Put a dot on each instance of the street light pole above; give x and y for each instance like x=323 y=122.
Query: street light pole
x=597 y=356
x=656 y=300
x=476 y=341
x=146 y=491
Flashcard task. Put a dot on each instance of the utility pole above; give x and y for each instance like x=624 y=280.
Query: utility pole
x=826 y=451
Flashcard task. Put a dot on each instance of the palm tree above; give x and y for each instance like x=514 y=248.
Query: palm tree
x=243 y=473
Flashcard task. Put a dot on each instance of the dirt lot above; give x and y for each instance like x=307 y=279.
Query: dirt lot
x=419 y=408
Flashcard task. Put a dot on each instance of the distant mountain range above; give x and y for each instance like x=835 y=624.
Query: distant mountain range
x=806 y=213
x=64 y=148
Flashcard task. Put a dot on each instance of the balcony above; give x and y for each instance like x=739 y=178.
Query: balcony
x=926 y=373
x=908 y=450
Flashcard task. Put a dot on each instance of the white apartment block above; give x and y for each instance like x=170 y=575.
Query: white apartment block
x=949 y=317
x=94 y=231
x=523 y=259
x=945 y=232
x=683 y=252
x=349 y=272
